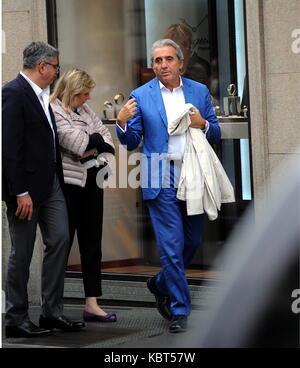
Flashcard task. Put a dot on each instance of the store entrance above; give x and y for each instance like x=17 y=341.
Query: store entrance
x=111 y=40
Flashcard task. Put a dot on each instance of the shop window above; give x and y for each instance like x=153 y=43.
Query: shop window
x=111 y=40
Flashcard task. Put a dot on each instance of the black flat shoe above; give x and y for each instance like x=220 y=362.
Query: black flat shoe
x=61 y=323
x=178 y=324
x=91 y=317
x=162 y=301
x=26 y=329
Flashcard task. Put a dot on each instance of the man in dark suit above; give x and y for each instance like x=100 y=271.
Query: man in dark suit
x=32 y=181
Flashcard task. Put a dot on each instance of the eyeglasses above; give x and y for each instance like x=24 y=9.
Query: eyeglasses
x=56 y=66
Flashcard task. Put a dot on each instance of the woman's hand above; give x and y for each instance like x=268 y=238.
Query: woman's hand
x=127 y=112
x=86 y=154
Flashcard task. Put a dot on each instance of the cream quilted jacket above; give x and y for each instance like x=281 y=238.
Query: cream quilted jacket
x=73 y=133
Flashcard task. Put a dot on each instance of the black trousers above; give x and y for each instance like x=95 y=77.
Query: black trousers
x=85 y=210
x=51 y=216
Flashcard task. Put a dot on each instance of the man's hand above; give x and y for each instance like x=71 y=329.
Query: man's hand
x=25 y=207
x=197 y=121
x=127 y=112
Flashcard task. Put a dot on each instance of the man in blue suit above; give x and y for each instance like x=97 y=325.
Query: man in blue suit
x=146 y=116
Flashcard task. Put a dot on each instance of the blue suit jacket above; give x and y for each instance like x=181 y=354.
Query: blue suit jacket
x=150 y=124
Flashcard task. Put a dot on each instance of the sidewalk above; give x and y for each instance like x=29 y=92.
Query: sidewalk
x=137 y=327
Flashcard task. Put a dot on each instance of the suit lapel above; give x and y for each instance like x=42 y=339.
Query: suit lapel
x=52 y=119
x=57 y=151
x=187 y=91
x=157 y=97
x=34 y=99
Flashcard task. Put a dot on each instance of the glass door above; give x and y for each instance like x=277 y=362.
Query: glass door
x=111 y=40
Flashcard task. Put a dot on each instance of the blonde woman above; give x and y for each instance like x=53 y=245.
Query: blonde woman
x=81 y=136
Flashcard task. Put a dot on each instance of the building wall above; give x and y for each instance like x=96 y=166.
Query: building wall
x=274 y=88
x=23 y=21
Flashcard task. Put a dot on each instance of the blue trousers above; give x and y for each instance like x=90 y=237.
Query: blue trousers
x=178 y=237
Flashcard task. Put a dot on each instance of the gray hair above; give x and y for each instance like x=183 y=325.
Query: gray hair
x=37 y=52
x=167 y=42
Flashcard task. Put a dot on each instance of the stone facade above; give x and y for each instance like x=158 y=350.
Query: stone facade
x=274 y=88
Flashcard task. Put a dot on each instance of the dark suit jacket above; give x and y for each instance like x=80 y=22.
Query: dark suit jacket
x=28 y=159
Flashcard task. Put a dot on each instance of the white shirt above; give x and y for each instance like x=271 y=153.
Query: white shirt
x=174 y=104
x=43 y=95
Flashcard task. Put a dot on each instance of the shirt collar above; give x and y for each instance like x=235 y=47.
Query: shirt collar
x=37 y=89
x=161 y=86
